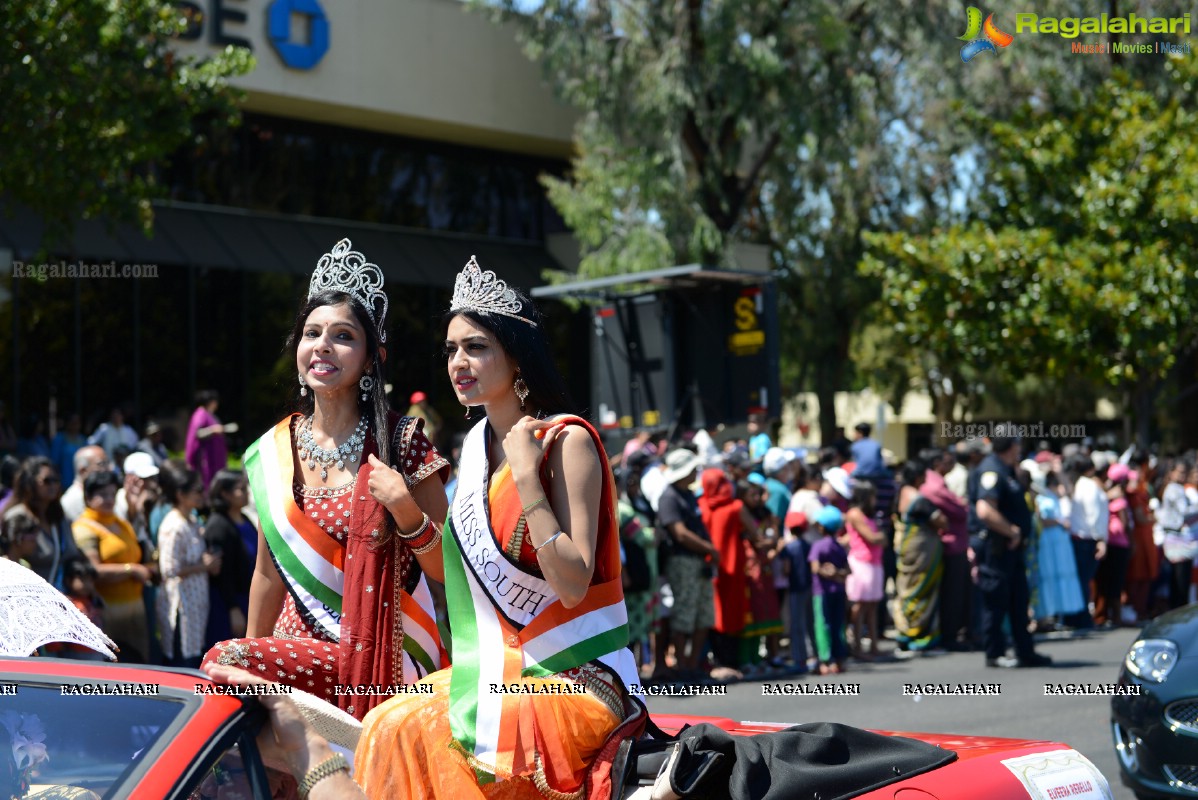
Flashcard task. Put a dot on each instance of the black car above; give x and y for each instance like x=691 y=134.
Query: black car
x=1156 y=732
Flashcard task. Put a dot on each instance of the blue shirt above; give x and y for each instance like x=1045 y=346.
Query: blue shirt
x=867 y=454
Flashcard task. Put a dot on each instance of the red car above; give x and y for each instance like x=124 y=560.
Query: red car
x=146 y=733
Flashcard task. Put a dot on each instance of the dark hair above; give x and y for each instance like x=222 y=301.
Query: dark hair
x=97 y=482
x=375 y=405
x=222 y=482
x=863 y=428
x=1052 y=480
x=24 y=489
x=8 y=471
x=913 y=472
x=1078 y=464
x=77 y=565
x=1001 y=444
x=526 y=345
x=863 y=496
x=743 y=488
x=175 y=478
x=206 y=396
x=931 y=456
x=14 y=524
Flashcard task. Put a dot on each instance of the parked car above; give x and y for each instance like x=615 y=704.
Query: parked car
x=146 y=733
x=1156 y=732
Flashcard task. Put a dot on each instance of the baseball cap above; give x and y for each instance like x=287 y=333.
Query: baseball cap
x=418 y=397
x=839 y=480
x=1118 y=473
x=776 y=459
x=829 y=518
x=140 y=464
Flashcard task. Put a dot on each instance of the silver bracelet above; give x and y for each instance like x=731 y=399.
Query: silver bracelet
x=548 y=541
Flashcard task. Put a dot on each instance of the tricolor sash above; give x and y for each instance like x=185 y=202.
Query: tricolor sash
x=310 y=563
x=508 y=623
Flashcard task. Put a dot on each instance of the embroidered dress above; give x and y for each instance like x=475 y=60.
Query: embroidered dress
x=357 y=612
x=182 y=603
x=506 y=721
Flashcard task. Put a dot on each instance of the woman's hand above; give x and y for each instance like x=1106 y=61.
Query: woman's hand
x=525 y=446
x=388 y=487
x=211 y=563
x=283 y=743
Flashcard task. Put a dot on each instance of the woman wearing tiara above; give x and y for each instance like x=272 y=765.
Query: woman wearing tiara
x=541 y=667
x=339 y=596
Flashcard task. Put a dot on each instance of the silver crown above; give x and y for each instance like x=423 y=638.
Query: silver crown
x=479 y=290
x=346 y=270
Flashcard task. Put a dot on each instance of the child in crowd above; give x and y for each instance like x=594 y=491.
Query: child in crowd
x=795 y=569
x=765 y=617
x=18 y=537
x=79 y=580
x=829 y=569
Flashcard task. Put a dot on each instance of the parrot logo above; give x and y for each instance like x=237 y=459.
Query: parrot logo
x=980 y=37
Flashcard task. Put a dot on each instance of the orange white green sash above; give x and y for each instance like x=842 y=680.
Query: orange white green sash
x=508 y=624
x=312 y=564
x=307 y=559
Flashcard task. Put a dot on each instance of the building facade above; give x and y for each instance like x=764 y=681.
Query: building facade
x=417 y=128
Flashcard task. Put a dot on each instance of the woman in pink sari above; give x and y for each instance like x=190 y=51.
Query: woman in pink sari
x=206 y=451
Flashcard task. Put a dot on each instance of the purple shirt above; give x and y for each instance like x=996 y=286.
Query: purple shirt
x=206 y=456
x=956 y=536
x=827 y=551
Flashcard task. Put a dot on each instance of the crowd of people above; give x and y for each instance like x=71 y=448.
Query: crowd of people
x=337 y=560
x=751 y=560
x=157 y=552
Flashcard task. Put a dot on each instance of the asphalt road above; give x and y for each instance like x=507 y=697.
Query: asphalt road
x=1021 y=710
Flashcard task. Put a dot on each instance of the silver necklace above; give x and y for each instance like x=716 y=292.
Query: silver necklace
x=350 y=450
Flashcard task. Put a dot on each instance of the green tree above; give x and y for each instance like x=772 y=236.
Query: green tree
x=713 y=122
x=94 y=99
x=1078 y=265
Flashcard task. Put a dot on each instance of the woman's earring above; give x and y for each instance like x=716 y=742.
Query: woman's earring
x=365 y=383
x=303 y=387
x=521 y=390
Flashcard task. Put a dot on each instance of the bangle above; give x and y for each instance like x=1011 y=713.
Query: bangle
x=416 y=534
x=128 y=568
x=434 y=541
x=324 y=769
x=533 y=505
x=548 y=541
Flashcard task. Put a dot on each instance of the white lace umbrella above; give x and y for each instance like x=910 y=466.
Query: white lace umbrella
x=34 y=613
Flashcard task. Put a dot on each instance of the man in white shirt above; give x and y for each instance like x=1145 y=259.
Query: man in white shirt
x=87 y=460
x=1088 y=518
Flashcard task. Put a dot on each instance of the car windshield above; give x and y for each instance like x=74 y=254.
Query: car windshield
x=87 y=741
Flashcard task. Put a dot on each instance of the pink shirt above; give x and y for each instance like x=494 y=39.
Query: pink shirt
x=862 y=550
x=1116 y=531
x=956 y=536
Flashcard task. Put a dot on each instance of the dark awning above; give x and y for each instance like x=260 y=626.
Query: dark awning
x=205 y=236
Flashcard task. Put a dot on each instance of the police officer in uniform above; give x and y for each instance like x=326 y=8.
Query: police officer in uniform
x=999 y=522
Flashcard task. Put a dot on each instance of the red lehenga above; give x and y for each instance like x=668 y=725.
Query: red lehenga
x=358 y=616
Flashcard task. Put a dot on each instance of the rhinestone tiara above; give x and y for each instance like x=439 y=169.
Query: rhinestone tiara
x=346 y=270
x=477 y=289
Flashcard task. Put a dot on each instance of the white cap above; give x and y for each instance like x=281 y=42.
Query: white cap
x=776 y=459
x=140 y=464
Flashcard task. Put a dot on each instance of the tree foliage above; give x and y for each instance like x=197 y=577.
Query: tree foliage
x=1079 y=262
x=93 y=99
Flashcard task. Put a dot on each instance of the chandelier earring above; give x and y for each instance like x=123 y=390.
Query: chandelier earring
x=303 y=387
x=365 y=383
x=521 y=389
